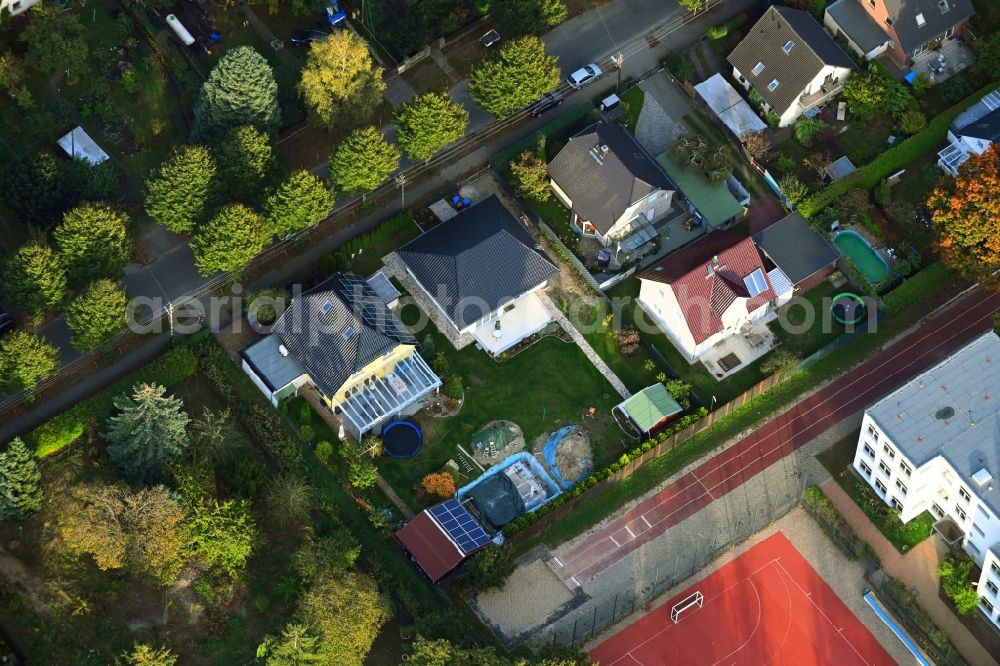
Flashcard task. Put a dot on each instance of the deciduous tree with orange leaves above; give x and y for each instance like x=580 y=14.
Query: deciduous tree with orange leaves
x=441 y=484
x=966 y=212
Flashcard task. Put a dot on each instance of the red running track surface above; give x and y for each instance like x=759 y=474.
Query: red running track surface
x=766 y=607
x=937 y=338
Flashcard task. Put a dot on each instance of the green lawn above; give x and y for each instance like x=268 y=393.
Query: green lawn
x=546 y=386
x=823 y=330
x=633 y=99
x=630 y=369
x=866 y=139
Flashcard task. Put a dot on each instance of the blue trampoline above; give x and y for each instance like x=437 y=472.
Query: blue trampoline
x=402 y=439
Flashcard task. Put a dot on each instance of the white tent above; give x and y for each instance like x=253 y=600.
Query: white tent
x=729 y=106
x=79 y=144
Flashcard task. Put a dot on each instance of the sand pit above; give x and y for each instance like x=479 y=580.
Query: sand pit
x=530 y=596
x=574 y=457
x=507 y=439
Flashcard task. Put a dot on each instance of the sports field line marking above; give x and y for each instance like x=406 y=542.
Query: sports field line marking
x=861 y=378
x=630 y=532
x=788 y=612
x=617 y=545
x=557 y=560
x=646 y=520
x=707 y=491
x=821 y=611
x=575 y=581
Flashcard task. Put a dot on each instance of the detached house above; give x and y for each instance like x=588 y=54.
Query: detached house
x=902 y=28
x=713 y=300
x=341 y=339
x=613 y=188
x=15 y=7
x=972 y=132
x=791 y=62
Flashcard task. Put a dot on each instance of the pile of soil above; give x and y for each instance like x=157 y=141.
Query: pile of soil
x=574 y=456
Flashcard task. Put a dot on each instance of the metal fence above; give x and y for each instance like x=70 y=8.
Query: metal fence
x=689 y=546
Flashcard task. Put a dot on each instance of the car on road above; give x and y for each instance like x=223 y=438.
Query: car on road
x=7 y=323
x=549 y=101
x=583 y=76
x=306 y=36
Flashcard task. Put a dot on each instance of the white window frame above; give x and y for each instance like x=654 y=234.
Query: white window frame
x=884 y=468
x=773 y=85
x=888 y=450
x=901 y=487
x=905 y=469
x=869 y=451
x=787 y=48
x=866 y=469
x=964 y=494
x=757 y=69
x=880 y=487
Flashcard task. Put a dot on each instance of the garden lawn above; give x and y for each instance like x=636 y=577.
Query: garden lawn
x=866 y=139
x=630 y=369
x=633 y=99
x=544 y=387
x=823 y=330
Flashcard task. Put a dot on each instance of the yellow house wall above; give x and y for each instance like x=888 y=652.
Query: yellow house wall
x=380 y=367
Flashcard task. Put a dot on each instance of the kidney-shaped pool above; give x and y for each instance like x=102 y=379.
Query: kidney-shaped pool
x=852 y=245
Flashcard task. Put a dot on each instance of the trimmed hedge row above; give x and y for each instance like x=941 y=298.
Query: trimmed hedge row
x=917 y=286
x=602 y=475
x=894 y=159
x=57 y=433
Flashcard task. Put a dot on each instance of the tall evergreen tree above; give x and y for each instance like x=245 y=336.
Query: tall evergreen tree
x=93 y=242
x=148 y=432
x=363 y=161
x=96 y=315
x=298 y=203
x=179 y=193
x=33 y=279
x=240 y=90
x=522 y=17
x=229 y=240
x=34 y=190
x=246 y=163
x=20 y=482
x=25 y=360
x=428 y=123
x=519 y=74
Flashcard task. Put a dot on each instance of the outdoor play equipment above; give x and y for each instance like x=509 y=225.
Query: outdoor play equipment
x=848 y=308
x=402 y=439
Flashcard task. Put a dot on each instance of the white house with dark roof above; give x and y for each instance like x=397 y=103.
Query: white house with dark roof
x=791 y=62
x=972 y=132
x=15 y=7
x=341 y=339
x=612 y=187
x=901 y=28
x=933 y=445
x=481 y=271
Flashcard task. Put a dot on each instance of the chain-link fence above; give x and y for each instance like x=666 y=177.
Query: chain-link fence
x=758 y=500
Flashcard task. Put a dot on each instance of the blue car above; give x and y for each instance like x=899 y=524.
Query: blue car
x=334 y=14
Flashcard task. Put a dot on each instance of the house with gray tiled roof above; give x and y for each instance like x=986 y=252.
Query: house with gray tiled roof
x=482 y=271
x=612 y=187
x=341 y=339
x=791 y=62
x=901 y=28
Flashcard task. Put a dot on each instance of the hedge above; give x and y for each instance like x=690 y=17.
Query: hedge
x=894 y=159
x=62 y=430
x=917 y=286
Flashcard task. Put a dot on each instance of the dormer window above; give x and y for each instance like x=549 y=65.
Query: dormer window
x=871 y=3
x=789 y=45
x=758 y=68
x=773 y=85
x=921 y=22
x=943 y=6
x=888 y=21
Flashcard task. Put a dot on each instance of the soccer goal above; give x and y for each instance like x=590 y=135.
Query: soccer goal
x=691 y=601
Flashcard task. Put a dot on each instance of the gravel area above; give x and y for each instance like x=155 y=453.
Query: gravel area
x=531 y=596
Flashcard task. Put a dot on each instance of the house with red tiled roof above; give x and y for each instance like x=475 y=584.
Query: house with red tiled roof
x=713 y=300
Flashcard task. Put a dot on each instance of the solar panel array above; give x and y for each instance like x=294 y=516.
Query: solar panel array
x=755 y=282
x=460 y=526
x=368 y=307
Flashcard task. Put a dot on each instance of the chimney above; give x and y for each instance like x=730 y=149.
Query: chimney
x=283 y=350
x=715 y=262
x=604 y=149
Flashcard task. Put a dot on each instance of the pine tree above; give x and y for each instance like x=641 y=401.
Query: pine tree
x=20 y=482
x=179 y=193
x=520 y=73
x=33 y=279
x=34 y=190
x=428 y=123
x=363 y=161
x=298 y=203
x=148 y=432
x=229 y=241
x=246 y=163
x=93 y=242
x=522 y=17
x=96 y=315
x=240 y=90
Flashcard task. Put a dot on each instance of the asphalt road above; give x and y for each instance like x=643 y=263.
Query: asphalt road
x=586 y=557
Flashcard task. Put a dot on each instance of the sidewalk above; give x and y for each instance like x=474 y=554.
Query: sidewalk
x=917 y=569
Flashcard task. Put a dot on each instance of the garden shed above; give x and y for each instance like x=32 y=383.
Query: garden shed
x=647 y=411
x=78 y=143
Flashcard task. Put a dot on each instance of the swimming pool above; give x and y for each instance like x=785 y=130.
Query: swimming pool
x=852 y=245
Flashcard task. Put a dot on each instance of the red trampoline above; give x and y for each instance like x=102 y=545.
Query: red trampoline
x=768 y=606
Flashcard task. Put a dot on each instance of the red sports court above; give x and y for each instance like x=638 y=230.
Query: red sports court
x=767 y=606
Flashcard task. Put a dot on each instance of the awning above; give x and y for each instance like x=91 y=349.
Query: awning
x=78 y=143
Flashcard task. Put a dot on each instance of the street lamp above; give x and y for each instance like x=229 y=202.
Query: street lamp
x=618 y=59
x=400 y=179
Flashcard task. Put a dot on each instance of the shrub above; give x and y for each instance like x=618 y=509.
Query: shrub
x=489 y=568
x=912 y=122
x=306 y=433
x=362 y=474
x=453 y=388
x=806 y=128
x=717 y=31
x=955 y=573
x=679 y=66
x=441 y=484
x=628 y=340
x=442 y=366
x=324 y=451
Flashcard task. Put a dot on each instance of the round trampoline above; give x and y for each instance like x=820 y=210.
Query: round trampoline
x=402 y=439
x=848 y=308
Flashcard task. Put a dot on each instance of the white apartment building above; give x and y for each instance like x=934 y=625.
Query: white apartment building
x=933 y=445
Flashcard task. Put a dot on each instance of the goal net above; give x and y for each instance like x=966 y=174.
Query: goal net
x=692 y=601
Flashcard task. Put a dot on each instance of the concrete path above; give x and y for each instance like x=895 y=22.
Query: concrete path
x=588 y=556
x=582 y=343
x=918 y=571
x=403 y=507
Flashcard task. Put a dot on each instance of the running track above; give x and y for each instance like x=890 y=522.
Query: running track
x=585 y=558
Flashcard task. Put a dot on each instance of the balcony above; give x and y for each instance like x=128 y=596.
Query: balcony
x=823 y=94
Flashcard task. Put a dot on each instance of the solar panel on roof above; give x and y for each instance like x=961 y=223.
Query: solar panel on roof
x=460 y=526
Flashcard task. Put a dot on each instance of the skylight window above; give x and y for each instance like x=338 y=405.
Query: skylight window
x=758 y=68
x=349 y=333
x=789 y=45
x=921 y=22
x=327 y=307
x=944 y=6
x=755 y=283
x=773 y=85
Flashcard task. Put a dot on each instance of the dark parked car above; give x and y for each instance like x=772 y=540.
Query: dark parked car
x=6 y=322
x=306 y=36
x=549 y=100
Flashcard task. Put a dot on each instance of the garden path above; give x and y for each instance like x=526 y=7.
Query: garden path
x=582 y=343
x=917 y=569
x=264 y=32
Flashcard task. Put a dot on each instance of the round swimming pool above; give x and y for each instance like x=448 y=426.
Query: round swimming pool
x=402 y=439
x=848 y=308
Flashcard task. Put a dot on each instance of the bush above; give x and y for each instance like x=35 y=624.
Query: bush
x=489 y=568
x=453 y=388
x=955 y=574
x=806 y=128
x=717 y=31
x=440 y=484
x=679 y=66
x=306 y=433
x=362 y=474
x=60 y=431
x=324 y=451
x=441 y=366
x=917 y=287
